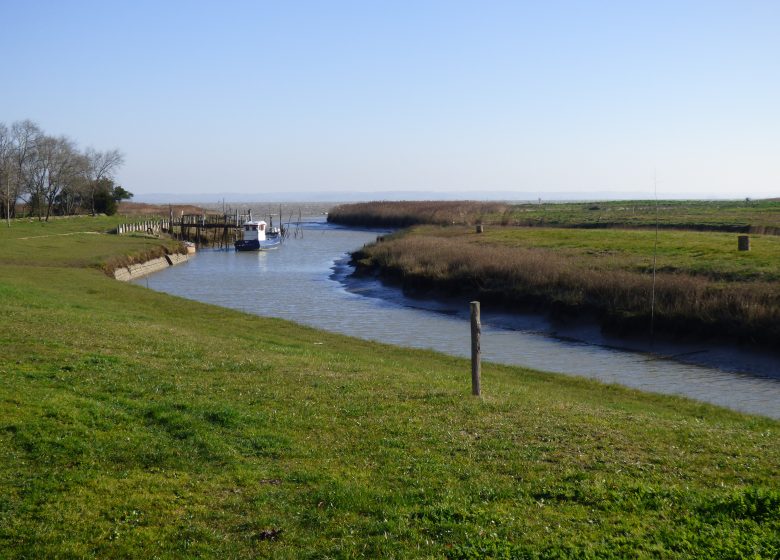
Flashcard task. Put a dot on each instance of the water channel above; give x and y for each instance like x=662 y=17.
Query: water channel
x=308 y=280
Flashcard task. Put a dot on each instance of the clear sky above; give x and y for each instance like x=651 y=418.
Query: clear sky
x=541 y=98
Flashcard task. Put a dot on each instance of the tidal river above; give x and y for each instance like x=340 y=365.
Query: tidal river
x=307 y=281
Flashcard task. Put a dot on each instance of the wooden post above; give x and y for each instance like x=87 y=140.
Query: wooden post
x=743 y=243
x=476 y=351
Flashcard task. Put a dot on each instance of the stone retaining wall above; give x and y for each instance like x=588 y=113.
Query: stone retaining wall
x=134 y=271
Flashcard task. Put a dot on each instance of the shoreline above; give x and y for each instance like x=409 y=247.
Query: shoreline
x=513 y=340
x=139 y=270
x=688 y=307
x=752 y=360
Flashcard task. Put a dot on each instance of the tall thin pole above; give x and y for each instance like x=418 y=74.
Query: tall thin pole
x=476 y=351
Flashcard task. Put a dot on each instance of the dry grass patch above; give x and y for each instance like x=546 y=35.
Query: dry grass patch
x=456 y=261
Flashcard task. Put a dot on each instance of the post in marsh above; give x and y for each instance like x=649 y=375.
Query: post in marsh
x=476 y=351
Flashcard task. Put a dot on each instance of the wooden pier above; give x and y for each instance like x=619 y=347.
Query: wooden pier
x=216 y=230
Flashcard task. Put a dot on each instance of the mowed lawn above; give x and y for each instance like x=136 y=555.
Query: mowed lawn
x=136 y=424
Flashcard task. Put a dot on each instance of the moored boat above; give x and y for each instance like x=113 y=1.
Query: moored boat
x=255 y=239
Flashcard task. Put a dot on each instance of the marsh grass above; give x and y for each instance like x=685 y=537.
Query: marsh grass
x=761 y=217
x=136 y=424
x=409 y=213
x=704 y=285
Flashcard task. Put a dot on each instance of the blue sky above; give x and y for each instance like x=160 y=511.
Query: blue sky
x=539 y=99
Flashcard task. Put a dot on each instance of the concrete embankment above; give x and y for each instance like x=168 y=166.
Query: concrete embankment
x=127 y=273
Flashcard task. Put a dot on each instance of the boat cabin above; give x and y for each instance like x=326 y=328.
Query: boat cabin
x=254 y=230
x=257 y=237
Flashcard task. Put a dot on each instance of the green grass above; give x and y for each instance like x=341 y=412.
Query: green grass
x=728 y=215
x=73 y=242
x=136 y=424
x=710 y=254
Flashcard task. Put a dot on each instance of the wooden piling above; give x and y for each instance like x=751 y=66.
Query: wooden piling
x=476 y=351
x=743 y=243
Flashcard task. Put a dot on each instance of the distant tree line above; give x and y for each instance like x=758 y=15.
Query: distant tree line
x=43 y=175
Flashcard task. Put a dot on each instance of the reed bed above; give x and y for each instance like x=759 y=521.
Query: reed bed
x=410 y=213
x=552 y=279
x=744 y=216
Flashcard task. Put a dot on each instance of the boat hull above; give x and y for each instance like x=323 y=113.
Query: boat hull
x=255 y=245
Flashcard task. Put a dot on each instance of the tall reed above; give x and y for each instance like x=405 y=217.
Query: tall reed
x=409 y=213
x=699 y=215
x=520 y=276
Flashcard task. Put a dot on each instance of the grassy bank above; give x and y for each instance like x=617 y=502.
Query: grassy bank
x=762 y=216
x=704 y=285
x=77 y=242
x=135 y=424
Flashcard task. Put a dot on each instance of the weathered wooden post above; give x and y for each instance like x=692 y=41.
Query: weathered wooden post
x=476 y=351
x=743 y=243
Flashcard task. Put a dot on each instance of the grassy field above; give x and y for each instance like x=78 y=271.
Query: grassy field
x=76 y=242
x=728 y=215
x=136 y=424
x=762 y=216
x=713 y=255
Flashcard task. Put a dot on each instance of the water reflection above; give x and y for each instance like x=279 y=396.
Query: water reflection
x=306 y=280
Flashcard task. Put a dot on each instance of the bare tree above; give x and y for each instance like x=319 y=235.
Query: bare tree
x=57 y=169
x=50 y=174
x=24 y=137
x=74 y=191
x=37 y=173
x=6 y=148
x=101 y=165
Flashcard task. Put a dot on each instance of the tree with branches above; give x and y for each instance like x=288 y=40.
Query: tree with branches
x=52 y=176
x=101 y=166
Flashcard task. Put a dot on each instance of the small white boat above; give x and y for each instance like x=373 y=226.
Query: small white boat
x=255 y=239
x=273 y=232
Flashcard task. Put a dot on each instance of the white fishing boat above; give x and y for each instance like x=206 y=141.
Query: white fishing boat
x=254 y=237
